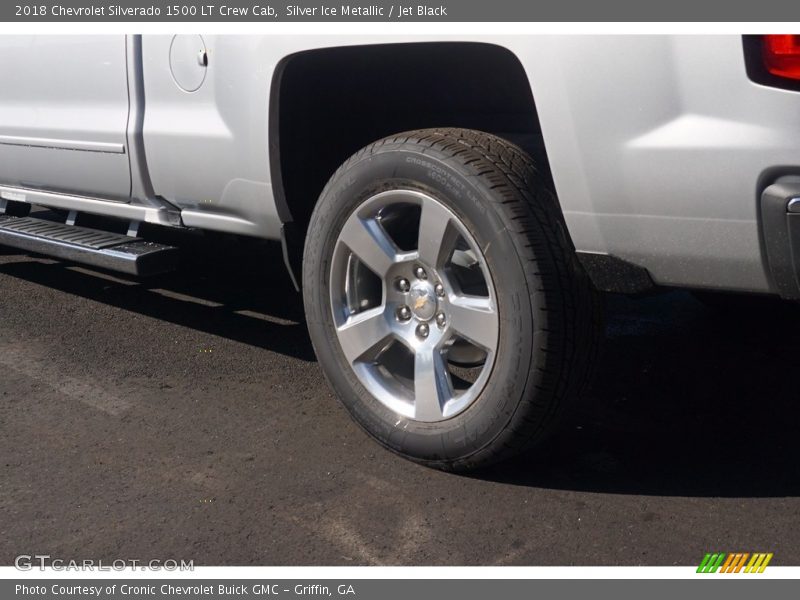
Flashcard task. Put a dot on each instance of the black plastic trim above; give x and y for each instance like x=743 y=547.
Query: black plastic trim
x=292 y=247
x=612 y=274
x=781 y=232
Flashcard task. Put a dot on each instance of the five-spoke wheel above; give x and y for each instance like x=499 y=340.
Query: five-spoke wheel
x=412 y=298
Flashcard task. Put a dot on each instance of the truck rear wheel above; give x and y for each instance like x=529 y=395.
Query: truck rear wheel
x=444 y=299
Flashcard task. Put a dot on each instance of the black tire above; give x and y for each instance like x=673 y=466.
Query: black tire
x=17 y=209
x=549 y=313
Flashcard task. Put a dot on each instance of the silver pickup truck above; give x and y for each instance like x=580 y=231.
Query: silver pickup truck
x=450 y=207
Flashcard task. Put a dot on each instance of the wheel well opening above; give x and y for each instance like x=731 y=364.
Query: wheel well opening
x=329 y=103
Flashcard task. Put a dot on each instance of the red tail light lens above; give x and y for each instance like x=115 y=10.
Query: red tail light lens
x=782 y=55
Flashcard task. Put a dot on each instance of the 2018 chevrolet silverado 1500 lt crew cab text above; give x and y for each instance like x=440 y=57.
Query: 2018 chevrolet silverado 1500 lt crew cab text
x=450 y=207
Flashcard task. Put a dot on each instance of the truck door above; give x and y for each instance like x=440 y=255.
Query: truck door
x=64 y=113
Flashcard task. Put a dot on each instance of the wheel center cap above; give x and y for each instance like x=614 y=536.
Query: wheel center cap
x=423 y=301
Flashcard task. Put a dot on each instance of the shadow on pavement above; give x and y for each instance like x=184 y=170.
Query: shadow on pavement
x=227 y=287
x=690 y=400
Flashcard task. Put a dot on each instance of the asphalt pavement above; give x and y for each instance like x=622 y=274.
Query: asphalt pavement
x=185 y=417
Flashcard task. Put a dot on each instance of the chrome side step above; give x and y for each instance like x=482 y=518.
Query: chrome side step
x=94 y=247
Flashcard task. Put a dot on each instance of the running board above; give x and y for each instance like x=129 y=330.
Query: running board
x=112 y=251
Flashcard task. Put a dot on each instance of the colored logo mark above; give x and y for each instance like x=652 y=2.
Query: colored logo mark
x=734 y=562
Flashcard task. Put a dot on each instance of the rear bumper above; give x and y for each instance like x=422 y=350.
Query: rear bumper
x=780 y=222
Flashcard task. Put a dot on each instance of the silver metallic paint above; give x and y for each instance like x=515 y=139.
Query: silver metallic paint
x=658 y=144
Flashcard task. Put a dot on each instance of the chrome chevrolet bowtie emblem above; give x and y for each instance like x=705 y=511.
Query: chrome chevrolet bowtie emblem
x=423 y=301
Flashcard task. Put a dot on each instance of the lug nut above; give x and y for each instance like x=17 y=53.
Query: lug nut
x=441 y=319
x=403 y=285
x=423 y=330
x=439 y=289
x=419 y=273
x=404 y=313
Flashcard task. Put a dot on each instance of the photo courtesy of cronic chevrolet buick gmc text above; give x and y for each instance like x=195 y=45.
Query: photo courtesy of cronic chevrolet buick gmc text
x=451 y=209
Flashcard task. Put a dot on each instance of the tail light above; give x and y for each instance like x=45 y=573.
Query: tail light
x=781 y=55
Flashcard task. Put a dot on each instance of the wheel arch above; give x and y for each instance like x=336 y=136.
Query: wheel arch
x=326 y=104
